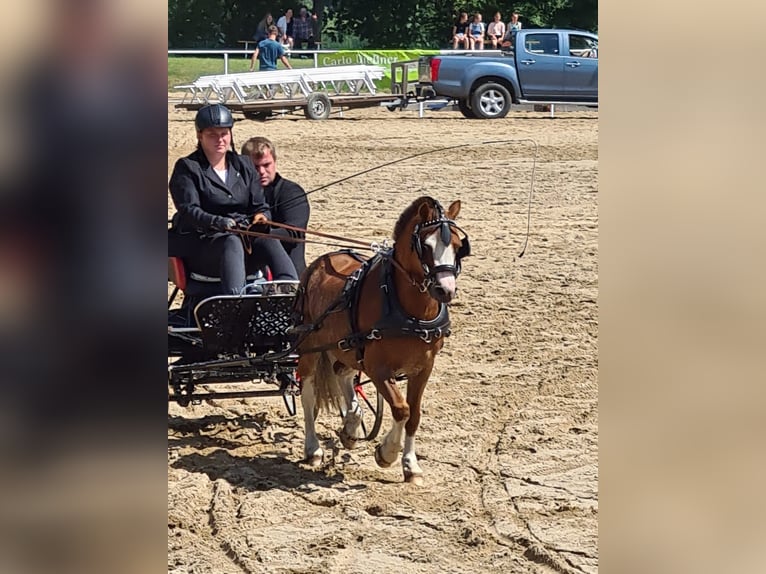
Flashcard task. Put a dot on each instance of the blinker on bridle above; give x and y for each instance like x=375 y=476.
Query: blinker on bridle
x=445 y=234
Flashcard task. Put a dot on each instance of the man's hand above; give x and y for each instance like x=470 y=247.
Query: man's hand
x=259 y=218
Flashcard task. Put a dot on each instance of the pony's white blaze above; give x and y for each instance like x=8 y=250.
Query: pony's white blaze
x=443 y=255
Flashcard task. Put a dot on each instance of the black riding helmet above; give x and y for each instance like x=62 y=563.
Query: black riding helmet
x=213 y=116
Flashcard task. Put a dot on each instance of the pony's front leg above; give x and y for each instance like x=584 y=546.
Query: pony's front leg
x=388 y=450
x=412 y=471
x=311 y=450
x=415 y=387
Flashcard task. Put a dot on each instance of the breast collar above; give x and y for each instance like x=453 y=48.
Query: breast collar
x=394 y=321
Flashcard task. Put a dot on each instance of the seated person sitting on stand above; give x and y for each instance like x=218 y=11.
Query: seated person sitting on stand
x=460 y=32
x=496 y=30
x=262 y=30
x=303 y=33
x=510 y=35
x=268 y=51
x=476 y=33
x=285 y=25
x=287 y=200
x=215 y=190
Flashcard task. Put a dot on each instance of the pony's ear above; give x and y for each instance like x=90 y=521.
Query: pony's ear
x=454 y=209
x=423 y=211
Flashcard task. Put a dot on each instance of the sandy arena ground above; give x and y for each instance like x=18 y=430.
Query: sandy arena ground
x=509 y=437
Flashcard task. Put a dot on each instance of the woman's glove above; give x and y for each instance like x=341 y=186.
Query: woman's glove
x=222 y=223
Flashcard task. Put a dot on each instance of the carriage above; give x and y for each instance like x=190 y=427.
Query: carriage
x=384 y=317
x=242 y=343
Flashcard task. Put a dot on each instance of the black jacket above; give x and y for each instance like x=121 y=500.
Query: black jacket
x=289 y=204
x=200 y=196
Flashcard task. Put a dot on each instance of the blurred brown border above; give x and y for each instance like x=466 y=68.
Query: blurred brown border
x=83 y=479
x=681 y=276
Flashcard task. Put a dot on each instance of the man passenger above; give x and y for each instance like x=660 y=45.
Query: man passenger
x=287 y=199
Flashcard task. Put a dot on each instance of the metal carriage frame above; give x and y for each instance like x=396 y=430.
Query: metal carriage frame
x=246 y=342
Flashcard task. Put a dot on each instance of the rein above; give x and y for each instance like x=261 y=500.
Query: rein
x=246 y=233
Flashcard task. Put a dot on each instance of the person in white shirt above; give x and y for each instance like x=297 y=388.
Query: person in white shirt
x=285 y=25
x=496 y=30
x=476 y=33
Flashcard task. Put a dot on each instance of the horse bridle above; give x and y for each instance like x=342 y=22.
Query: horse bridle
x=445 y=226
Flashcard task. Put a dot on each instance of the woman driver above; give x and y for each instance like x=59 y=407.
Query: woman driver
x=214 y=189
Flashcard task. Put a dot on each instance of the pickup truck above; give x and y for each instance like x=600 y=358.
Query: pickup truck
x=541 y=66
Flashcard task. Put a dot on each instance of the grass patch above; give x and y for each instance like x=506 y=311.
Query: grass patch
x=186 y=69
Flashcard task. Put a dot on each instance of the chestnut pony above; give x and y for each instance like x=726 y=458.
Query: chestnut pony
x=385 y=316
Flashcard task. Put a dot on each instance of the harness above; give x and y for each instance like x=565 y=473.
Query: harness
x=445 y=226
x=394 y=321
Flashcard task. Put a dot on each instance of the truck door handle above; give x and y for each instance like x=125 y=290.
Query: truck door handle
x=573 y=64
x=527 y=62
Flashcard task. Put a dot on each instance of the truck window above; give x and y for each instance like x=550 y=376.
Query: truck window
x=542 y=44
x=582 y=46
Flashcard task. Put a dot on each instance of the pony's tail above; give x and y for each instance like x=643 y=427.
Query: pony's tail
x=327 y=388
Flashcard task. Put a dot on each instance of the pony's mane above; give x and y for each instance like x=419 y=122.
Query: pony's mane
x=408 y=213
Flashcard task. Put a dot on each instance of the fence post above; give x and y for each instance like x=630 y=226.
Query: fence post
x=226 y=64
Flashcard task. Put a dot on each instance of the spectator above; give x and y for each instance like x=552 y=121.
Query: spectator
x=287 y=200
x=268 y=51
x=285 y=25
x=514 y=25
x=496 y=30
x=262 y=30
x=315 y=31
x=302 y=31
x=460 y=32
x=476 y=33
x=510 y=35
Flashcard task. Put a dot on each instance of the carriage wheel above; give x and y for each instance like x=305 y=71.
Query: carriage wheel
x=290 y=388
x=371 y=402
x=289 y=403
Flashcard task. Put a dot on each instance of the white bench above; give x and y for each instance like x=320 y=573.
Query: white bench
x=289 y=83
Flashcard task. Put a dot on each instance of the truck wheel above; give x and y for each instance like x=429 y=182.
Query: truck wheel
x=318 y=106
x=491 y=101
x=467 y=112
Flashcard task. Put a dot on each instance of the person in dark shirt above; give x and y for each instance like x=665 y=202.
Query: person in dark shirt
x=302 y=28
x=460 y=32
x=215 y=190
x=262 y=30
x=287 y=200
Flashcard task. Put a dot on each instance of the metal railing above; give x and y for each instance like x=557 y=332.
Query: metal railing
x=249 y=52
x=314 y=53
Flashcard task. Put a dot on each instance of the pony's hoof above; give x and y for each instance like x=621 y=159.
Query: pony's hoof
x=347 y=440
x=313 y=461
x=379 y=460
x=416 y=479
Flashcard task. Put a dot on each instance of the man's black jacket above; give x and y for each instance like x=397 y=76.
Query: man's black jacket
x=289 y=205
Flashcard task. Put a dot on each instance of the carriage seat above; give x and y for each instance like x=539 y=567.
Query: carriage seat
x=196 y=284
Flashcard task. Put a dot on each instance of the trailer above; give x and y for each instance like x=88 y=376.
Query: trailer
x=314 y=91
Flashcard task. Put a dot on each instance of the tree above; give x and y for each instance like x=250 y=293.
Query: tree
x=424 y=24
x=416 y=24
